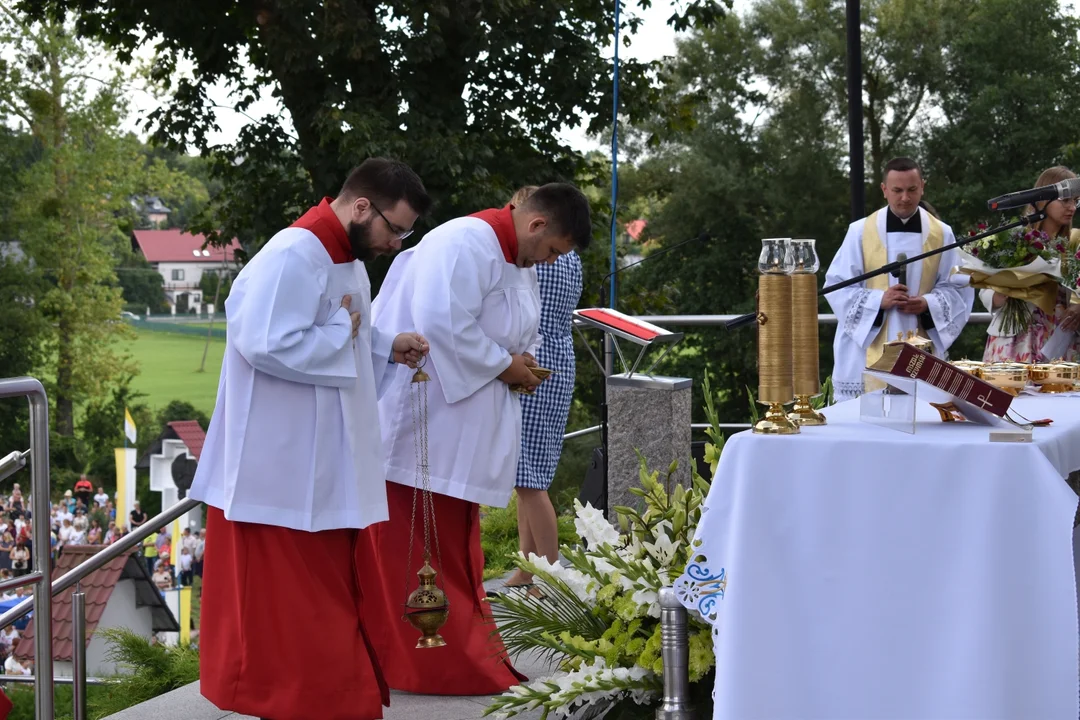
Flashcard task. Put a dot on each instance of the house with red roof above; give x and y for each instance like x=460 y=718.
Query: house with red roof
x=118 y=594
x=181 y=258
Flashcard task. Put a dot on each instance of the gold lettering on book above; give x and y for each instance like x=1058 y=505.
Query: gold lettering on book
x=915 y=365
x=983 y=401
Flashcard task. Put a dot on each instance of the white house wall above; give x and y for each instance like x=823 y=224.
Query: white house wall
x=120 y=611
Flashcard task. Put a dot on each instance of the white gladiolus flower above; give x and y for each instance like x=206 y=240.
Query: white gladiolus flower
x=592 y=527
x=583 y=587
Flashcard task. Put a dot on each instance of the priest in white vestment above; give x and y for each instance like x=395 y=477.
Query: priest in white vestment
x=470 y=288
x=924 y=299
x=292 y=466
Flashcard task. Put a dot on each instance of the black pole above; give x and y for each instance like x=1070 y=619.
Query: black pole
x=855 y=116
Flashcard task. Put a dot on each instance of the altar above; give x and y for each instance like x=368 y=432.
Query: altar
x=855 y=572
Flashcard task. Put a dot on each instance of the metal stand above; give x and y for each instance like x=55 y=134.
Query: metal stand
x=78 y=652
x=616 y=325
x=675 y=653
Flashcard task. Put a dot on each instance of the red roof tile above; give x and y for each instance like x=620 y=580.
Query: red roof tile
x=98 y=587
x=191 y=434
x=178 y=246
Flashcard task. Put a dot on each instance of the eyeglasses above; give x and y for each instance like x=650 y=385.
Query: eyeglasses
x=399 y=232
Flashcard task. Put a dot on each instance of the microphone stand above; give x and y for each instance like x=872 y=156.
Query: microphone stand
x=609 y=360
x=888 y=268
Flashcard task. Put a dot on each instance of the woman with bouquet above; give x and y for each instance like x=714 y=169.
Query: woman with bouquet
x=1020 y=327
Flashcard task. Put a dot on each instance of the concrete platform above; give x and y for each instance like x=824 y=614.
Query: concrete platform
x=187 y=704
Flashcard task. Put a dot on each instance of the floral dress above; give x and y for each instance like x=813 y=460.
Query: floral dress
x=1025 y=347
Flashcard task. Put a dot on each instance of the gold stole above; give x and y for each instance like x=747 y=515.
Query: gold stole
x=875 y=255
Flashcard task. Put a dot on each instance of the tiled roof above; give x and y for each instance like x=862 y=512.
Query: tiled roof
x=98 y=587
x=178 y=246
x=191 y=434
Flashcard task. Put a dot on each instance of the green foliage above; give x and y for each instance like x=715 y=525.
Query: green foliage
x=154 y=670
x=209 y=283
x=499 y=537
x=22 y=700
x=1004 y=122
x=142 y=286
x=23 y=329
x=469 y=93
x=599 y=615
x=102 y=429
x=70 y=208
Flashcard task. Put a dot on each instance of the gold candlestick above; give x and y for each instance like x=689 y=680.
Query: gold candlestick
x=804 y=334
x=775 y=387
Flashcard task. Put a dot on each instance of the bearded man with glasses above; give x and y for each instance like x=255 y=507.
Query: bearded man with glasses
x=292 y=466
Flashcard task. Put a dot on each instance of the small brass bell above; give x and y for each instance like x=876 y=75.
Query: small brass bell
x=427 y=608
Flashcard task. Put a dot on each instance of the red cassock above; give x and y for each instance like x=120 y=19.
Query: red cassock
x=281 y=633
x=281 y=636
x=473 y=662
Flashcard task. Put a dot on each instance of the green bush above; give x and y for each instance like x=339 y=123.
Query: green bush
x=154 y=670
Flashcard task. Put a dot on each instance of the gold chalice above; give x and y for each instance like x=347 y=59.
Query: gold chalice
x=1010 y=377
x=1056 y=377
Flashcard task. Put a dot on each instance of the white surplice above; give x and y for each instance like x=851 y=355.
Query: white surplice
x=856 y=307
x=295 y=440
x=475 y=309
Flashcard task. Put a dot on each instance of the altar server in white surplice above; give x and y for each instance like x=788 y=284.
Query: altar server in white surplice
x=873 y=312
x=470 y=288
x=292 y=464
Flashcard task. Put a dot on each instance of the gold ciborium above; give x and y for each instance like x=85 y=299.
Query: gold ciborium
x=1010 y=377
x=915 y=340
x=971 y=367
x=1056 y=377
x=804 y=333
x=427 y=608
x=775 y=387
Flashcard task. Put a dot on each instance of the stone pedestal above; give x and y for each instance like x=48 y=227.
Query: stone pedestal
x=650 y=414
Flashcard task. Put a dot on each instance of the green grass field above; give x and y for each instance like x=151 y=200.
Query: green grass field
x=168 y=368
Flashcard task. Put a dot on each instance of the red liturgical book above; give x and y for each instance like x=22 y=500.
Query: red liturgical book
x=907 y=361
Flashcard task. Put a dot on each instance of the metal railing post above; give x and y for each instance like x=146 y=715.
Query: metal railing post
x=39 y=490
x=78 y=653
x=675 y=652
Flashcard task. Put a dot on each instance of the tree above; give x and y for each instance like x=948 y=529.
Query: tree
x=1009 y=103
x=472 y=94
x=903 y=42
x=70 y=210
x=142 y=286
x=103 y=430
x=739 y=177
x=23 y=329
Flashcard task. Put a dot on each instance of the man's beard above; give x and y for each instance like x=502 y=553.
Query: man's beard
x=360 y=241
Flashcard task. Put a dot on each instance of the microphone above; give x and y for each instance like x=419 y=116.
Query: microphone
x=603 y=283
x=1058 y=191
x=901 y=272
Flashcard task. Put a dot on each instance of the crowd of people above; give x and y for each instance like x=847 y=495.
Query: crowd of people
x=83 y=517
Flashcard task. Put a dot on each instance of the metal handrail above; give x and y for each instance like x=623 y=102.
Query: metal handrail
x=42 y=505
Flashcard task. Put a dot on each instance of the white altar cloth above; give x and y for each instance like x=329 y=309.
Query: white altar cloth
x=855 y=572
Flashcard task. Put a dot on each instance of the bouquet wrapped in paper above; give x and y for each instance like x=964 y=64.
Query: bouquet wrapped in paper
x=1024 y=265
